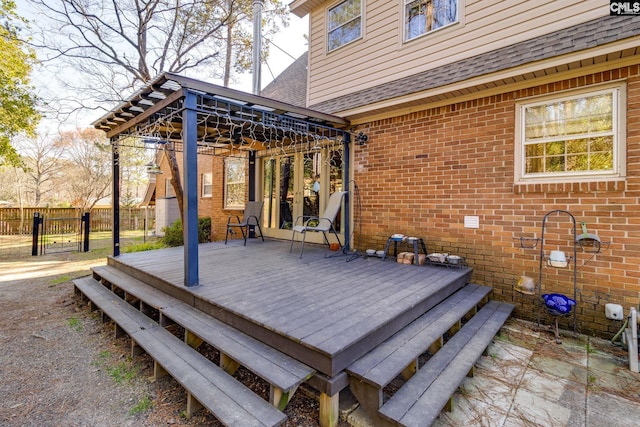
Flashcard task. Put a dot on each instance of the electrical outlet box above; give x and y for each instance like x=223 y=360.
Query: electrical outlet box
x=613 y=311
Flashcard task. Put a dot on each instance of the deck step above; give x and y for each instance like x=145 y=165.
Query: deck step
x=371 y=373
x=282 y=372
x=152 y=297
x=122 y=313
x=227 y=399
x=423 y=397
x=380 y=366
x=278 y=369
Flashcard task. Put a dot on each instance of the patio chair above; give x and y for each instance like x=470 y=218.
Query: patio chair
x=323 y=223
x=251 y=217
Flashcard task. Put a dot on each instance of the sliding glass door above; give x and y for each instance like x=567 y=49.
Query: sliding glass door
x=295 y=186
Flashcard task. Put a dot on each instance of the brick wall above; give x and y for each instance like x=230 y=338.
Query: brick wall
x=421 y=173
x=219 y=215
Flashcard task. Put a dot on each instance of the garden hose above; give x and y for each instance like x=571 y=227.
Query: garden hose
x=617 y=335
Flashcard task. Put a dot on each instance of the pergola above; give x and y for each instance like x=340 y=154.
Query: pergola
x=198 y=118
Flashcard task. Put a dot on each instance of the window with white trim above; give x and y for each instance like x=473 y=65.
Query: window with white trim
x=207 y=184
x=579 y=135
x=424 y=16
x=344 y=23
x=234 y=182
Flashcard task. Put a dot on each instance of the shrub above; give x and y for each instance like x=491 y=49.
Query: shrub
x=143 y=246
x=204 y=230
x=173 y=233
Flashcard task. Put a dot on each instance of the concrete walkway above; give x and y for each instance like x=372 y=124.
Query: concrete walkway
x=527 y=380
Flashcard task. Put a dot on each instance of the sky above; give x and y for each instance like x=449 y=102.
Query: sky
x=288 y=44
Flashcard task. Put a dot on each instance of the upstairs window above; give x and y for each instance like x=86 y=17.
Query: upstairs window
x=344 y=23
x=423 y=16
x=574 y=136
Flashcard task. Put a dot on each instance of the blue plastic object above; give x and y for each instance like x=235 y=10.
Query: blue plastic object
x=558 y=304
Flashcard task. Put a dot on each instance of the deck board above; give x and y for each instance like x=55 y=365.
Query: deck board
x=317 y=307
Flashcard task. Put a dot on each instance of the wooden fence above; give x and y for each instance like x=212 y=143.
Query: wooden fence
x=16 y=221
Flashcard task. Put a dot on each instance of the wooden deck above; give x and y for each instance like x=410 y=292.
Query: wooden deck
x=325 y=312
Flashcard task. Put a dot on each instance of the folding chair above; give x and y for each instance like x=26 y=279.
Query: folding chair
x=251 y=217
x=325 y=222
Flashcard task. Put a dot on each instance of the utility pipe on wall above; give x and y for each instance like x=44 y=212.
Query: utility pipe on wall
x=632 y=340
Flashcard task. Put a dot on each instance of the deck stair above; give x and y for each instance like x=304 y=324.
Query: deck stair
x=428 y=388
x=282 y=372
x=454 y=331
x=125 y=300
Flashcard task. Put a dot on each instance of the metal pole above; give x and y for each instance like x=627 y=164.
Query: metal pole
x=115 y=197
x=346 y=170
x=86 y=220
x=34 y=233
x=257 y=45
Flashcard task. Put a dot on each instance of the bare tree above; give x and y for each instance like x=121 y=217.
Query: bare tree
x=88 y=166
x=133 y=173
x=41 y=159
x=115 y=46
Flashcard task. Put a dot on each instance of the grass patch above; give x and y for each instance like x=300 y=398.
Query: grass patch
x=120 y=372
x=104 y=354
x=142 y=406
x=60 y=279
x=75 y=323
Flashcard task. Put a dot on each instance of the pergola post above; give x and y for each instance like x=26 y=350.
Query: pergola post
x=252 y=186
x=190 y=200
x=346 y=161
x=115 y=197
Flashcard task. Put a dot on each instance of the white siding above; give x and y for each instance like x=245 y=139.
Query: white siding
x=167 y=212
x=382 y=56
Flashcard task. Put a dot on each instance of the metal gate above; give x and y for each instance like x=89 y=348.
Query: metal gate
x=53 y=235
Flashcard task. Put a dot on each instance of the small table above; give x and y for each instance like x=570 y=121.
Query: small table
x=416 y=248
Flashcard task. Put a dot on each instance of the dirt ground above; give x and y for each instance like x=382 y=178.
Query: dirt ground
x=61 y=366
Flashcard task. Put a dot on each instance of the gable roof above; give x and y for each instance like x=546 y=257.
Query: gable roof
x=580 y=37
x=290 y=86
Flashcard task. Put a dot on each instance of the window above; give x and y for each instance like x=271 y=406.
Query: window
x=234 y=173
x=574 y=136
x=207 y=184
x=423 y=16
x=344 y=23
